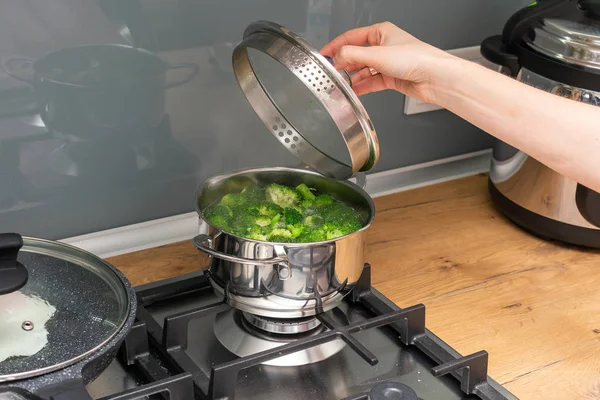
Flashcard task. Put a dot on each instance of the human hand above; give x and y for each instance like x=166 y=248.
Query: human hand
x=394 y=60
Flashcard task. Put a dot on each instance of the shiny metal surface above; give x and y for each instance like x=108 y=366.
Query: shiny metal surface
x=287 y=280
x=73 y=304
x=572 y=42
x=324 y=97
x=282 y=326
x=531 y=184
x=558 y=88
x=230 y=331
x=537 y=188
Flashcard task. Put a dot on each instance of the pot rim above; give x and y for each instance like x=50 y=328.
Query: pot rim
x=351 y=185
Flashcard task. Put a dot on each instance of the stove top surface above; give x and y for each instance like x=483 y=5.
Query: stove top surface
x=383 y=352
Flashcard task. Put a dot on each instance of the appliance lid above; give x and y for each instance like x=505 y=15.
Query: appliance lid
x=71 y=305
x=308 y=106
x=572 y=42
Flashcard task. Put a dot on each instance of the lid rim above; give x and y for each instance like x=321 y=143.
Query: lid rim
x=561 y=40
x=371 y=156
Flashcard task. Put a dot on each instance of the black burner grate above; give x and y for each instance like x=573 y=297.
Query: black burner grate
x=172 y=341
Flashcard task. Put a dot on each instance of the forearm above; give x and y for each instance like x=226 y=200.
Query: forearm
x=561 y=133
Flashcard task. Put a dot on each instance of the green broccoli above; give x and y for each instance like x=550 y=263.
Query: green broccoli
x=313 y=235
x=296 y=229
x=263 y=220
x=292 y=216
x=267 y=209
x=281 y=195
x=283 y=214
x=306 y=204
x=313 y=221
x=305 y=192
x=256 y=233
x=233 y=200
x=241 y=222
x=323 y=200
x=280 y=236
x=253 y=194
x=219 y=216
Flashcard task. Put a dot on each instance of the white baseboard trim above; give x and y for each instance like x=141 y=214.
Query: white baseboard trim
x=145 y=235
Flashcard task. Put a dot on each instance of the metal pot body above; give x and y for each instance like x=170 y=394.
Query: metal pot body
x=283 y=280
x=129 y=99
x=537 y=197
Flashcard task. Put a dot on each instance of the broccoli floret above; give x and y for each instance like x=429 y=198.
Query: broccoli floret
x=332 y=232
x=292 y=216
x=280 y=235
x=267 y=209
x=296 y=229
x=313 y=221
x=281 y=195
x=313 y=235
x=323 y=200
x=219 y=216
x=340 y=219
x=233 y=200
x=305 y=192
x=242 y=222
x=263 y=220
x=256 y=233
x=253 y=194
x=306 y=204
x=219 y=221
x=220 y=210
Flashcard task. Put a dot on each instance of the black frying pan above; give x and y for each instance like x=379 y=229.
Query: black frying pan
x=82 y=302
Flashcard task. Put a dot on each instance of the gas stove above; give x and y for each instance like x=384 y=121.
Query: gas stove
x=189 y=343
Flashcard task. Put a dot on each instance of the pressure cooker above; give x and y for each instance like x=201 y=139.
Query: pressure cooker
x=553 y=45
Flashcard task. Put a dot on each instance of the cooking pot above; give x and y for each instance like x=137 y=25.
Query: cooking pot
x=311 y=109
x=283 y=280
x=63 y=315
x=102 y=91
x=553 y=46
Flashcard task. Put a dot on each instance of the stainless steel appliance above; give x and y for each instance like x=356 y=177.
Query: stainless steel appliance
x=552 y=45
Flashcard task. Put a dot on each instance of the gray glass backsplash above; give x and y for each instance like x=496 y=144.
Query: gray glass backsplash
x=136 y=147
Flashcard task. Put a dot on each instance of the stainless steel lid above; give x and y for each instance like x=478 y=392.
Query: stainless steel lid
x=71 y=305
x=572 y=42
x=304 y=101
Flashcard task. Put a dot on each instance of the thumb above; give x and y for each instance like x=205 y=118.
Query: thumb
x=360 y=56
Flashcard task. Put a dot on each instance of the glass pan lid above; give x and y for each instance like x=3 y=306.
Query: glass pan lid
x=72 y=304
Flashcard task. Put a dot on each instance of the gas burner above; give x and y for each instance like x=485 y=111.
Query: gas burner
x=282 y=326
x=247 y=334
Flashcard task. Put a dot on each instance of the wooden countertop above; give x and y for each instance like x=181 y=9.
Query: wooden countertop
x=487 y=285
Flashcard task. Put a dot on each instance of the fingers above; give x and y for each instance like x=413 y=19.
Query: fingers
x=364 y=73
x=374 y=83
x=376 y=57
x=357 y=37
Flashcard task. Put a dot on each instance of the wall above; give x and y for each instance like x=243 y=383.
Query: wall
x=61 y=182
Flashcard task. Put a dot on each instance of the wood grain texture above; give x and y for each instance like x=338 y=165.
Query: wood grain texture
x=532 y=304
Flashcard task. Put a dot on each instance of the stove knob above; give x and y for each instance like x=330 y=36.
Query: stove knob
x=392 y=391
